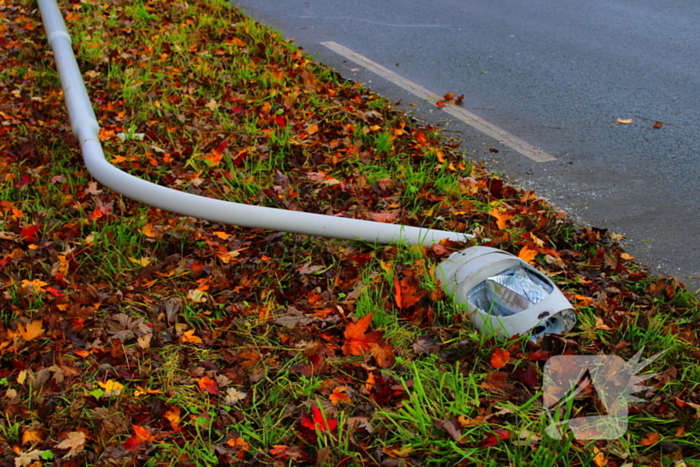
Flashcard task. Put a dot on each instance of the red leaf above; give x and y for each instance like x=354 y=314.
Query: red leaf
x=317 y=421
x=440 y=104
x=29 y=234
x=24 y=180
x=527 y=374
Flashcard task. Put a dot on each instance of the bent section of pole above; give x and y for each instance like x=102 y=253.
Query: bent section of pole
x=86 y=129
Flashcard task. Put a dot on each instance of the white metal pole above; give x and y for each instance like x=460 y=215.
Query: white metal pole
x=86 y=129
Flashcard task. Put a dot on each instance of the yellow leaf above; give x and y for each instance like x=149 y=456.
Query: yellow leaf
x=189 y=337
x=143 y=262
x=31 y=330
x=32 y=436
x=173 y=416
x=36 y=284
x=527 y=254
x=22 y=377
x=624 y=121
x=502 y=218
x=626 y=256
x=148 y=231
x=111 y=387
x=222 y=235
x=599 y=457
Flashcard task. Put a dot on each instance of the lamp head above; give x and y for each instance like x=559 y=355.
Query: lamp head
x=504 y=295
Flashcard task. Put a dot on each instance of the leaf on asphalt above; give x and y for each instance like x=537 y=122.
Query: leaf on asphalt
x=75 y=442
x=624 y=121
x=658 y=125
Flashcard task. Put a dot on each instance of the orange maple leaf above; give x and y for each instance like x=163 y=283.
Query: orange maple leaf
x=527 y=254
x=650 y=439
x=356 y=341
x=141 y=436
x=502 y=218
x=499 y=358
x=407 y=293
x=29 y=331
x=205 y=383
x=339 y=395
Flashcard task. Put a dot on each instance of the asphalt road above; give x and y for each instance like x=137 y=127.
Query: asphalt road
x=557 y=74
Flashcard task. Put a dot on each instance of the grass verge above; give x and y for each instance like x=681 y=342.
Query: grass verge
x=131 y=336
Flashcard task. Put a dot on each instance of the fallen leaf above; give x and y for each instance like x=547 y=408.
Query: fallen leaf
x=317 y=421
x=111 y=387
x=499 y=358
x=658 y=125
x=356 y=341
x=385 y=217
x=339 y=395
x=234 y=396
x=143 y=262
x=222 y=235
x=31 y=330
x=623 y=121
x=650 y=438
x=75 y=441
x=189 y=337
x=141 y=436
x=599 y=457
x=28 y=458
x=502 y=218
x=527 y=254
x=207 y=384
x=173 y=416
x=32 y=436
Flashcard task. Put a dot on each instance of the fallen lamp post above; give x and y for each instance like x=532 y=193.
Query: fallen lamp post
x=502 y=293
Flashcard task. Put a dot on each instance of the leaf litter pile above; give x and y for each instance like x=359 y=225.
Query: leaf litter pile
x=132 y=336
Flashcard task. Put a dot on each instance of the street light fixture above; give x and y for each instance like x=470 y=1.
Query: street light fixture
x=504 y=295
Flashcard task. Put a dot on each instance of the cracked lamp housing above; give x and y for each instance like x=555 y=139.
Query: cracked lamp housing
x=504 y=295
